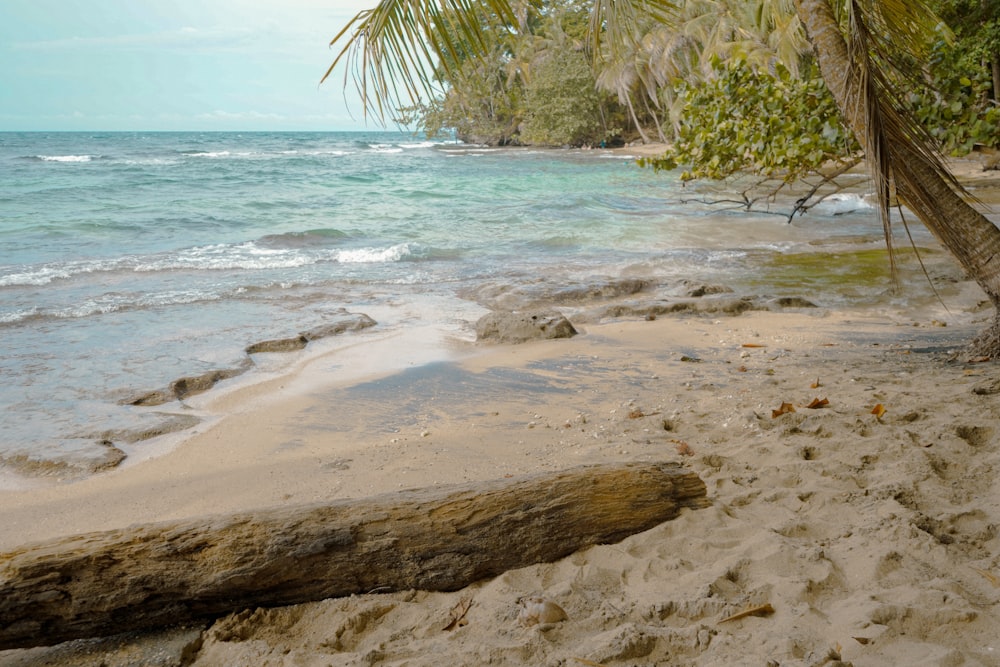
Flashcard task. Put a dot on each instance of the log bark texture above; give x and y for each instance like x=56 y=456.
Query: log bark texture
x=161 y=574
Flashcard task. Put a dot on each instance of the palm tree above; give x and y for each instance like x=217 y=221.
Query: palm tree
x=899 y=153
x=860 y=60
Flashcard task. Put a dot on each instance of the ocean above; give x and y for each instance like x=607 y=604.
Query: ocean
x=129 y=260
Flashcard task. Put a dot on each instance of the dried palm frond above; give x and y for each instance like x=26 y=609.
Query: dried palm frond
x=877 y=33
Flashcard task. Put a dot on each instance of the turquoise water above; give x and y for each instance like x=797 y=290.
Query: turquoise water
x=130 y=260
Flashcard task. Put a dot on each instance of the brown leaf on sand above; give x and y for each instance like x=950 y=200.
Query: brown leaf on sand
x=682 y=447
x=879 y=411
x=636 y=413
x=590 y=663
x=862 y=640
x=784 y=409
x=753 y=345
x=815 y=385
x=458 y=613
x=818 y=403
x=989 y=576
x=760 y=610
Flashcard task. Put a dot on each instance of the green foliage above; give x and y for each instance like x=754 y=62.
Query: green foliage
x=976 y=24
x=563 y=106
x=533 y=85
x=482 y=105
x=955 y=112
x=955 y=106
x=743 y=120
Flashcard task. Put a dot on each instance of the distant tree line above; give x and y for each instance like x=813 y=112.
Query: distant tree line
x=730 y=84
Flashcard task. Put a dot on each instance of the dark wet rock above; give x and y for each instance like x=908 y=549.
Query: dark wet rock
x=695 y=290
x=518 y=327
x=156 y=397
x=650 y=310
x=791 y=302
x=600 y=291
x=188 y=386
x=82 y=459
x=541 y=294
x=346 y=322
x=169 y=424
x=350 y=322
x=278 y=345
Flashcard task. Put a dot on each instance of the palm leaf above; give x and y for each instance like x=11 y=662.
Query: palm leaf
x=394 y=52
x=391 y=52
x=618 y=22
x=874 y=46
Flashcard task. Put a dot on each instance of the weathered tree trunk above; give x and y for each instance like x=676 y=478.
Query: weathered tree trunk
x=970 y=237
x=635 y=119
x=167 y=573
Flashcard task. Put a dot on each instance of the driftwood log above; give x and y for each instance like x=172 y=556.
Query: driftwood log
x=154 y=575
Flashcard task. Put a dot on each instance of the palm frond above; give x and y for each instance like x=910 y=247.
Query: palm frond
x=878 y=116
x=879 y=72
x=617 y=22
x=391 y=52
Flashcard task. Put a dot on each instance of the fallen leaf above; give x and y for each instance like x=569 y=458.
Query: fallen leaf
x=742 y=369
x=692 y=360
x=458 y=613
x=683 y=448
x=636 y=414
x=591 y=663
x=990 y=577
x=784 y=409
x=760 y=610
x=818 y=403
x=862 y=640
x=753 y=345
x=879 y=410
x=815 y=385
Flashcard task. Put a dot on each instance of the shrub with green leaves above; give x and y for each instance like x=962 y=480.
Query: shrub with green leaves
x=563 y=105
x=744 y=120
x=955 y=106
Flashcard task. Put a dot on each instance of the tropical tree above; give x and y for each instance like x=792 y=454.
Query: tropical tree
x=857 y=65
x=866 y=51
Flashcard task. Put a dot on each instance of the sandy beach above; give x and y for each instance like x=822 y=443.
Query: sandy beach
x=850 y=459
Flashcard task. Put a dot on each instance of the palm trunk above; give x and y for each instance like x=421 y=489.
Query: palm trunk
x=635 y=119
x=965 y=232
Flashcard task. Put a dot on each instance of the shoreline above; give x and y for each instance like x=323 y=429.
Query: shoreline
x=873 y=536
x=849 y=524
x=312 y=422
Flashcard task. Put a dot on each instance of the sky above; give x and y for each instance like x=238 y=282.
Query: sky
x=156 y=65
